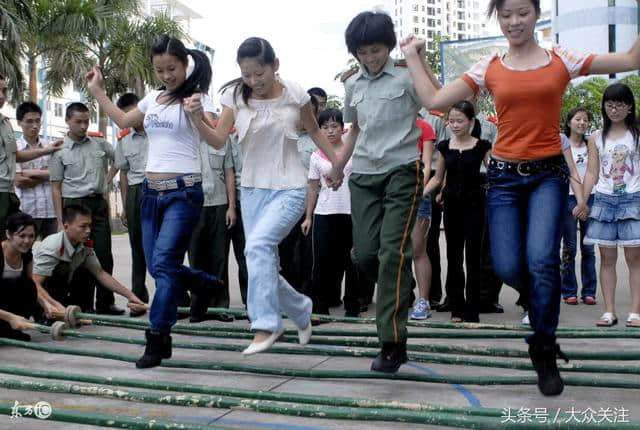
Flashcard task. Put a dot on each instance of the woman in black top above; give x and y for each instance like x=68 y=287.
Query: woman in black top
x=463 y=198
x=18 y=294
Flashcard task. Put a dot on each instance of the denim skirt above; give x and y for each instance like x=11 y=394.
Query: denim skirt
x=614 y=220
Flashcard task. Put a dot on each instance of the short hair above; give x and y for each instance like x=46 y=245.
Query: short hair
x=495 y=6
x=330 y=114
x=18 y=221
x=71 y=212
x=368 y=28
x=75 y=107
x=126 y=100
x=25 y=108
x=317 y=91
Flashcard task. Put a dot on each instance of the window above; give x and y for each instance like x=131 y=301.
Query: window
x=431 y=22
x=423 y=31
x=430 y=46
x=48 y=106
x=423 y=19
x=460 y=4
x=430 y=11
x=94 y=116
x=461 y=16
x=460 y=36
x=414 y=8
x=416 y=19
x=439 y=23
x=423 y=8
x=430 y=34
x=416 y=31
x=461 y=26
x=57 y=109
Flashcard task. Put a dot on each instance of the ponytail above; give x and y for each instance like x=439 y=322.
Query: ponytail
x=199 y=78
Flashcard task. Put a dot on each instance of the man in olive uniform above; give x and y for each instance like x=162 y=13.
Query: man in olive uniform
x=77 y=177
x=207 y=250
x=131 y=160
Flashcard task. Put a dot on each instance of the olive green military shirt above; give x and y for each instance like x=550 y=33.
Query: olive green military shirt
x=57 y=248
x=79 y=165
x=385 y=106
x=8 y=149
x=131 y=156
x=213 y=163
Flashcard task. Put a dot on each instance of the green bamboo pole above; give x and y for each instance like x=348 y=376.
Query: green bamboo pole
x=282 y=408
x=373 y=343
x=103 y=420
x=347 y=352
x=248 y=394
x=333 y=374
x=450 y=334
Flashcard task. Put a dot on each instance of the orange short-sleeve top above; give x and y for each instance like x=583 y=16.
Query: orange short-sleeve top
x=528 y=102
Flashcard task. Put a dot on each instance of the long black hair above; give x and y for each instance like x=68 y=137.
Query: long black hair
x=200 y=78
x=467 y=109
x=17 y=222
x=620 y=92
x=253 y=47
x=567 y=123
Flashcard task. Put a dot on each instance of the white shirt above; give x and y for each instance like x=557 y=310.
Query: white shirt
x=269 y=139
x=580 y=158
x=330 y=202
x=619 y=165
x=174 y=142
x=35 y=201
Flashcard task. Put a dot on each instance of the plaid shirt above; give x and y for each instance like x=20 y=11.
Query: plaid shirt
x=36 y=201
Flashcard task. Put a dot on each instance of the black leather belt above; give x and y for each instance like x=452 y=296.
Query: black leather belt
x=527 y=168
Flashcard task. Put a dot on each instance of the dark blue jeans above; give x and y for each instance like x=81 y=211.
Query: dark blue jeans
x=569 y=249
x=525 y=224
x=168 y=219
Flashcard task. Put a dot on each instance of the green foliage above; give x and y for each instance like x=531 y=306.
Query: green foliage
x=433 y=57
x=334 y=102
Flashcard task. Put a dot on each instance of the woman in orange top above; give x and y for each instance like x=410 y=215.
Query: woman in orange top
x=527 y=174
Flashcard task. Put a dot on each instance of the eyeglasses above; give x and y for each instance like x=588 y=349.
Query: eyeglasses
x=616 y=106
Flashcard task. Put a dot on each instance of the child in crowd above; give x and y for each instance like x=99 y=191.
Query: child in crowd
x=614 y=219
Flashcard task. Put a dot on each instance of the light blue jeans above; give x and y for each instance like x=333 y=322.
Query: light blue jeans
x=268 y=216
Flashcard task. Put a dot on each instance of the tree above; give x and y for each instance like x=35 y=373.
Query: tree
x=588 y=94
x=12 y=13
x=433 y=56
x=334 y=102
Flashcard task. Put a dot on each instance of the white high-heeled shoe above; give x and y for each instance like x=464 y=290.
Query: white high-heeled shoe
x=304 y=335
x=256 y=347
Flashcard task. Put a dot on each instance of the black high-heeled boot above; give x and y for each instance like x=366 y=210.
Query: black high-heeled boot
x=158 y=347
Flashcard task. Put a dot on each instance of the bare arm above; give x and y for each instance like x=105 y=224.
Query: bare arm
x=22 y=181
x=230 y=184
x=312 y=197
x=110 y=283
x=15 y=321
x=48 y=303
x=617 y=62
x=31 y=154
x=56 y=196
x=122 y=119
x=213 y=136
x=350 y=139
x=593 y=169
x=438 y=178
x=427 y=154
x=113 y=171
x=574 y=180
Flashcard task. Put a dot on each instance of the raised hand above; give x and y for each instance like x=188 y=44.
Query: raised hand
x=94 y=79
x=411 y=44
x=55 y=146
x=193 y=106
x=334 y=178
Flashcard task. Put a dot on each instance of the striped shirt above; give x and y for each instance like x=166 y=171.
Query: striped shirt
x=36 y=201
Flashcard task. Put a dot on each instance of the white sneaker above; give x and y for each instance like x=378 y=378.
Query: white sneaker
x=525 y=318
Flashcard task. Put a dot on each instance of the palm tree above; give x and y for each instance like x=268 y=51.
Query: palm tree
x=12 y=13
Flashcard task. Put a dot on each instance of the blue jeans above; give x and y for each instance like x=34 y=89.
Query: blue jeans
x=268 y=216
x=168 y=219
x=525 y=224
x=569 y=249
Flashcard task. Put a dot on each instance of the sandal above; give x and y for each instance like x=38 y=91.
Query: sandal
x=571 y=300
x=607 y=320
x=456 y=319
x=589 y=300
x=633 y=320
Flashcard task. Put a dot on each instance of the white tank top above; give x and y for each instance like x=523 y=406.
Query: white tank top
x=11 y=273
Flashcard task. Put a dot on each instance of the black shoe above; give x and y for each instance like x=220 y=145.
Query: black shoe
x=471 y=317
x=158 y=347
x=444 y=306
x=136 y=314
x=491 y=308
x=10 y=333
x=110 y=310
x=203 y=287
x=543 y=358
x=195 y=318
x=390 y=358
x=364 y=308
x=352 y=314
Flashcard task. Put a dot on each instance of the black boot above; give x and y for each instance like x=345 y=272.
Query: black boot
x=391 y=357
x=543 y=358
x=158 y=347
x=203 y=288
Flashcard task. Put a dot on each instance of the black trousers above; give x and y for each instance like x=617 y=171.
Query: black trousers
x=296 y=259
x=464 y=222
x=235 y=235
x=490 y=283
x=433 y=250
x=77 y=291
x=18 y=296
x=332 y=242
